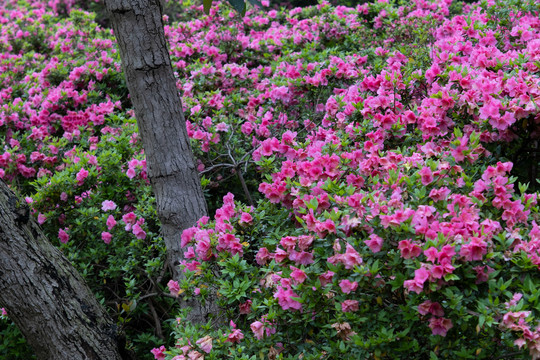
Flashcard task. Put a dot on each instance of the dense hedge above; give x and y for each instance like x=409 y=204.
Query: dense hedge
x=371 y=149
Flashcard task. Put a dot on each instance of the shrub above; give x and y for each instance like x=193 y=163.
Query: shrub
x=390 y=230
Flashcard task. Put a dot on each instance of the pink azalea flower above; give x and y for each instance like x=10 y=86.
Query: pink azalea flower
x=108 y=205
x=482 y=273
x=258 y=329
x=349 y=306
x=203 y=249
x=131 y=173
x=205 y=344
x=375 y=243
x=351 y=257
x=298 y=275
x=129 y=219
x=440 y=326
x=409 y=250
x=159 y=353
x=426 y=175
x=285 y=299
x=245 y=219
x=263 y=256
x=245 y=308
x=326 y=278
x=139 y=232
x=222 y=127
x=41 y=218
x=81 y=175
x=174 y=287
x=304 y=242
x=417 y=284
x=63 y=236
x=235 y=336
x=347 y=286
x=288 y=242
x=106 y=237
x=428 y=307
x=110 y=222
x=301 y=258
x=280 y=255
x=474 y=250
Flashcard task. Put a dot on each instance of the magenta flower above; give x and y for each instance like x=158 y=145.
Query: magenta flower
x=482 y=273
x=298 y=275
x=205 y=344
x=139 y=232
x=426 y=175
x=258 y=329
x=301 y=258
x=288 y=242
x=108 y=205
x=245 y=307
x=245 y=218
x=347 y=286
x=41 y=218
x=408 y=249
x=417 y=284
x=263 y=256
x=474 y=250
x=106 y=237
x=110 y=222
x=428 y=307
x=375 y=243
x=174 y=287
x=351 y=257
x=203 y=249
x=349 y=306
x=326 y=278
x=63 y=236
x=440 y=326
x=81 y=175
x=304 y=242
x=159 y=353
x=235 y=336
x=131 y=173
x=285 y=299
x=129 y=219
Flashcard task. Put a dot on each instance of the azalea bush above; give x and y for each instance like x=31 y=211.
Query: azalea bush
x=370 y=174
x=392 y=226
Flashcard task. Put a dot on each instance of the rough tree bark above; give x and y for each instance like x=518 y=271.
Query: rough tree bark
x=138 y=27
x=45 y=296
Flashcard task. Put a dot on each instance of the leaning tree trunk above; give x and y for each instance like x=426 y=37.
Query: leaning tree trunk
x=138 y=27
x=45 y=296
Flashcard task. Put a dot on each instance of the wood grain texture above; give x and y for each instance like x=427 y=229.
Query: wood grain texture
x=45 y=296
x=138 y=28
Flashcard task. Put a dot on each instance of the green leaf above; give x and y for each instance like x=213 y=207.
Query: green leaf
x=207 y=4
x=238 y=5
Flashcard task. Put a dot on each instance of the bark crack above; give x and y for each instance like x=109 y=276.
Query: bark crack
x=146 y=68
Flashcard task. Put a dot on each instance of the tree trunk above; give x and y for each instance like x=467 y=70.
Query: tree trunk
x=45 y=296
x=138 y=27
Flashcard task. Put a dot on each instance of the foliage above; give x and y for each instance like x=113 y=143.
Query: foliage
x=388 y=229
x=380 y=140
